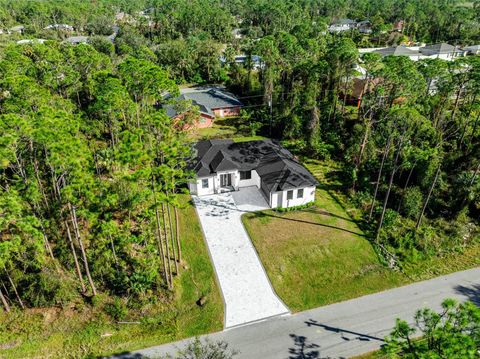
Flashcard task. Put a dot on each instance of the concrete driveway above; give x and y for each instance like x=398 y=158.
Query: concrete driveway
x=338 y=330
x=247 y=292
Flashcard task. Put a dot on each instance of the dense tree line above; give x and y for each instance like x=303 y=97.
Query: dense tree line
x=89 y=176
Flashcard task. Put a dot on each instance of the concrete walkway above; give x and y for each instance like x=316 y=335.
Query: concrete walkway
x=339 y=330
x=247 y=292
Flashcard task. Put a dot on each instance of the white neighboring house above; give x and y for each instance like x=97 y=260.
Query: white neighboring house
x=64 y=27
x=342 y=25
x=436 y=51
x=75 y=40
x=31 y=41
x=411 y=52
x=441 y=51
x=472 y=50
x=224 y=166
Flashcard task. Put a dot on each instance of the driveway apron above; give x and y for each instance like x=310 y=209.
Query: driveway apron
x=247 y=292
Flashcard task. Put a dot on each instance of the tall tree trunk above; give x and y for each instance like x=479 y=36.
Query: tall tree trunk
x=4 y=301
x=470 y=184
x=358 y=160
x=385 y=153
x=37 y=175
x=169 y=266
x=425 y=204
x=172 y=238
x=159 y=235
x=457 y=100
x=113 y=251
x=406 y=185
x=387 y=195
x=177 y=234
x=14 y=287
x=475 y=125
x=82 y=248
x=75 y=258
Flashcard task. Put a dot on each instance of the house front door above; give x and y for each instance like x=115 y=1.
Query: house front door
x=226 y=180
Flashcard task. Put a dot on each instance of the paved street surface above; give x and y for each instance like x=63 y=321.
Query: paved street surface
x=246 y=289
x=339 y=330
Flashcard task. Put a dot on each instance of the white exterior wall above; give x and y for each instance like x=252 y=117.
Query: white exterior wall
x=235 y=178
x=308 y=196
x=274 y=200
x=254 y=181
x=196 y=187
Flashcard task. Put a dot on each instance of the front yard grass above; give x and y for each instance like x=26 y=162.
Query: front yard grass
x=320 y=255
x=229 y=127
x=86 y=331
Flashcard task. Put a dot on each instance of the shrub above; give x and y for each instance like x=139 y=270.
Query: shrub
x=294 y=208
x=117 y=310
x=412 y=202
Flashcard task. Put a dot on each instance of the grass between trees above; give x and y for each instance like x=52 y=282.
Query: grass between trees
x=320 y=255
x=86 y=331
x=230 y=127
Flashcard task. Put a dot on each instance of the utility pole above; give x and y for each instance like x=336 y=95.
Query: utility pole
x=270 y=105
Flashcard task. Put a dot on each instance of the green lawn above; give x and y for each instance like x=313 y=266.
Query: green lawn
x=224 y=128
x=319 y=255
x=86 y=330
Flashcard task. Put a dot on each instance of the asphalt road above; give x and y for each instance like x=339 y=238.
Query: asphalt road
x=339 y=330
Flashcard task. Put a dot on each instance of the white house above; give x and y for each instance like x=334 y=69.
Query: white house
x=342 y=25
x=224 y=165
x=441 y=51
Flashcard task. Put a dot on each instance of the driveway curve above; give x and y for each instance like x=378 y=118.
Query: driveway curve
x=247 y=292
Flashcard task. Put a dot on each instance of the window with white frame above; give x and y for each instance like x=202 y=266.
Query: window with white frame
x=300 y=193
x=205 y=183
x=289 y=195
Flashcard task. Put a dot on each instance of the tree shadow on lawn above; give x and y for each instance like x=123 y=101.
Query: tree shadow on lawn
x=266 y=214
x=472 y=293
x=316 y=210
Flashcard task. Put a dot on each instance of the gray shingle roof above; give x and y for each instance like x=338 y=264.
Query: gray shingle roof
x=276 y=166
x=473 y=48
x=172 y=110
x=212 y=98
x=397 y=51
x=207 y=100
x=77 y=39
x=437 y=49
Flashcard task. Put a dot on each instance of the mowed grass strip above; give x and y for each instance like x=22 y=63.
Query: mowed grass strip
x=87 y=331
x=319 y=255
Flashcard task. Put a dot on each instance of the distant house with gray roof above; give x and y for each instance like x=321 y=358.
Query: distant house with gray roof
x=472 y=50
x=31 y=41
x=399 y=51
x=63 y=27
x=342 y=25
x=17 y=29
x=255 y=61
x=224 y=165
x=75 y=40
x=211 y=102
x=442 y=51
